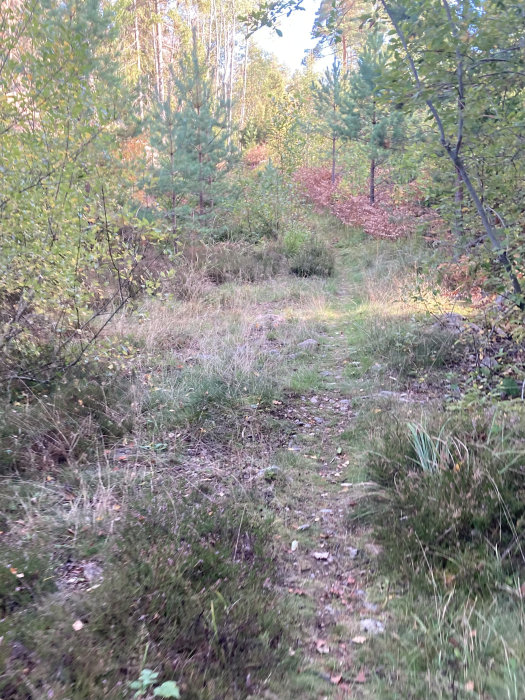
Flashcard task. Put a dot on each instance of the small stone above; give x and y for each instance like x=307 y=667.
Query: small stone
x=321 y=556
x=308 y=344
x=371 y=626
x=489 y=363
x=92 y=571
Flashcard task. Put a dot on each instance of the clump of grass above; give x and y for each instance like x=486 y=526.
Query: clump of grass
x=450 y=516
x=24 y=577
x=47 y=430
x=242 y=262
x=456 y=506
x=313 y=257
x=187 y=592
x=409 y=348
x=451 y=645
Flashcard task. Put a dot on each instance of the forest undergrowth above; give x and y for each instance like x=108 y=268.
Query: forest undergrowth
x=280 y=486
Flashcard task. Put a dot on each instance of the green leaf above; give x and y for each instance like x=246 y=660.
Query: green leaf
x=169 y=689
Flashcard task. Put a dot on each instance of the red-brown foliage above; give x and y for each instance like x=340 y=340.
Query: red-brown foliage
x=391 y=216
x=256 y=155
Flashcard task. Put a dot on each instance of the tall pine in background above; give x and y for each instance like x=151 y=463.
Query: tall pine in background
x=336 y=119
x=380 y=125
x=193 y=150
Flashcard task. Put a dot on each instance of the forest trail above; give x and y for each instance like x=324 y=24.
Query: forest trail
x=327 y=562
x=324 y=562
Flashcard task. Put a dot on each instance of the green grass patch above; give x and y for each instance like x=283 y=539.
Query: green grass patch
x=187 y=591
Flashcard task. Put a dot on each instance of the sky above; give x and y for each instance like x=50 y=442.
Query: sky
x=296 y=30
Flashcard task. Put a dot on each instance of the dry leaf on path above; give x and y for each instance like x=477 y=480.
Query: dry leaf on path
x=322 y=647
x=361 y=677
x=321 y=555
x=361 y=639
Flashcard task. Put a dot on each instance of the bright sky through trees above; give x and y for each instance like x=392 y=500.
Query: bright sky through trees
x=296 y=39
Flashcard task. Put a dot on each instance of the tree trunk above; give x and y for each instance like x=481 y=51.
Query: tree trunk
x=489 y=229
x=333 y=159
x=231 y=79
x=139 y=61
x=453 y=152
x=458 y=202
x=373 y=162
x=159 y=56
x=244 y=85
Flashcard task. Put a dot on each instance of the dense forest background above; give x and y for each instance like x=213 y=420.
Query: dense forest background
x=129 y=128
x=262 y=361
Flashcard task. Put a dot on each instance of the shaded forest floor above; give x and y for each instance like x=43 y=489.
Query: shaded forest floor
x=229 y=525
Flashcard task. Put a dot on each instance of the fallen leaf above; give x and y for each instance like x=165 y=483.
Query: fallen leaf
x=322 y=646
x=321 y=555
x=336 y=679
x=360 y=639
x=469 y=686
x=77 y=625
x=361 y=677
x=297 y=591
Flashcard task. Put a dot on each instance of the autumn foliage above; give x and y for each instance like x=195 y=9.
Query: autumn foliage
x=391 y=216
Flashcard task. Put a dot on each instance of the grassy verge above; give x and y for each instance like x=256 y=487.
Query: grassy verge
x=159 y=510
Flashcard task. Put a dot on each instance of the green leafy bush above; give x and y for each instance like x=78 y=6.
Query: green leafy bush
x=295 y=238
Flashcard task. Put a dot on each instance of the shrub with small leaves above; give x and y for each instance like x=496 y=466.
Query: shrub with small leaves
x=314 y=257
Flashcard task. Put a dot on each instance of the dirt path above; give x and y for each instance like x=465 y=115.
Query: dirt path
x=325 y=562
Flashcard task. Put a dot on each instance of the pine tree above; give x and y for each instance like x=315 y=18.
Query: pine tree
x=380 y=125
x=337 y=119
x=194 y=153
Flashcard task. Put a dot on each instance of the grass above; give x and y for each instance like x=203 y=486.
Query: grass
x=180 y=461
